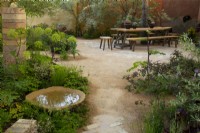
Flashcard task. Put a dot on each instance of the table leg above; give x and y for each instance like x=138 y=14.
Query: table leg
x=132 y=45
x=118 y=38
x=123 y=40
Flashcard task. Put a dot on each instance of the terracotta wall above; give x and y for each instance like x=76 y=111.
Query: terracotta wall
x=180 y=8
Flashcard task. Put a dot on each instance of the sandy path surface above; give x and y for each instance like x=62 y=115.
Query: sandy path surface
x=113 y=108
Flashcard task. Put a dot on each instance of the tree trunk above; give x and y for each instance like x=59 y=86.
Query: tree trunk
x=144 y=13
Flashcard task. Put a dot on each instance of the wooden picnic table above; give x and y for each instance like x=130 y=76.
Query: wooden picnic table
x=122 y=34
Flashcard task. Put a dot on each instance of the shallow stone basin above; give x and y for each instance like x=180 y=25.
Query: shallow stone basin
x=56 y=97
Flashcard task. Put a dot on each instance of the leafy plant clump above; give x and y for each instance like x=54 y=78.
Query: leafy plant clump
x=46 y=38
x=37 y=72
x=164 y=78
x=69 y=77
x=179 y=77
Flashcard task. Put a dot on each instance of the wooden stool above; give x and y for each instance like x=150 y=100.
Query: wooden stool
x=104 y=39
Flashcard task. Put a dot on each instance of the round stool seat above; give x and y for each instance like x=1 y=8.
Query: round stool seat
x=105 y=37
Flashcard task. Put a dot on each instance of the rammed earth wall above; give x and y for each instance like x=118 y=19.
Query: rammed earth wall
x=12 y=18
x=180 y=8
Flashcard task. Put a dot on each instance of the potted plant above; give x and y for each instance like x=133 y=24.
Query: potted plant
x=151 y=23
x=127 y=24
x=134 y=25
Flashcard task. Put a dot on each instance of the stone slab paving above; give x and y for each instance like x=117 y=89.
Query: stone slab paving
x=23 y=126
x=106 y=124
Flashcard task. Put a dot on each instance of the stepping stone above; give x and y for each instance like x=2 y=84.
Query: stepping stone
x=92 y=126
x=115 y=124
x=122 y=131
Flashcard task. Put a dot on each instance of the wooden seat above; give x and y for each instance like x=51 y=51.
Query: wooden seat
x=114 y=35
x=132 y=35
x=165 y=38
x=105 y=39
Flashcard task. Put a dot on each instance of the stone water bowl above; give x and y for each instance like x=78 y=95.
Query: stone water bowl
x=56 y=97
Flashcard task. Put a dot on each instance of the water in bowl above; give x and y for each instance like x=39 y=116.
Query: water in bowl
x=57 y=99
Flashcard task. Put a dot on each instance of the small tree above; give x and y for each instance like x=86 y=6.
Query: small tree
x=157 y=13
x=18 y=35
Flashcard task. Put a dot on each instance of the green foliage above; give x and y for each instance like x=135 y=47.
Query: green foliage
x=91 y=33
x=187 y=104
x=154 y=52
x=189 y=45
x=154 y=121
x=179 y=77
x=49 y=38
x=164 y=78
x=17 y=33
x=157 y=13
x=7 y=97
x=37 y=72
x=61 y=121
x=34 y=35
x=64 y=55
x=16 y=111
x=48 y=31
x=193 y=35
x=137 y=64
x=4 y=119
x=74 y=80
x=38 y=45
x=55 y=38
x=72 y=43
x=38 y=8
x=29 y=78
x=24 y=85
x=58 y=75
x=71 y=39
x=45 y=124
x=69 y=77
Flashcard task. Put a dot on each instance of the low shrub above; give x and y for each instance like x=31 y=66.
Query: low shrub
x=35 y=73
x=46 y=38
x=69 y=77
x=154 y=121
x=62 y=121
x=164 y=78
x=58 y=75
x=4 y=119
x=180 y=77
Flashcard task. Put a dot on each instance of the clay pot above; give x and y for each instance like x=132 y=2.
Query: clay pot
x=127 y=25
x=152 y=24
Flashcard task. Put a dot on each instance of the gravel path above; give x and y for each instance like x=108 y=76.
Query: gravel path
x=113 y=108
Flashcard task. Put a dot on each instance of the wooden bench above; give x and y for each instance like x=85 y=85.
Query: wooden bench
x=133 y=40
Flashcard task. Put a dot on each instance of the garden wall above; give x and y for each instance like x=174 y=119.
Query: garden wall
x=60 y=17
x=12 y=18
x=177 y=9
x=180 y=8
